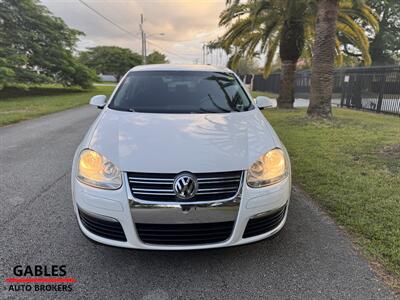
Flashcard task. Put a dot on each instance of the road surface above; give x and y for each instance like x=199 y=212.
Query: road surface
x=310 y=259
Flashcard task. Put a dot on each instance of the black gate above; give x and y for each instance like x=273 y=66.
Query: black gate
x=374 y=88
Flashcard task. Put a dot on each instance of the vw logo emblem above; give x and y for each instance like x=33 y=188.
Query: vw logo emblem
x=185 y=186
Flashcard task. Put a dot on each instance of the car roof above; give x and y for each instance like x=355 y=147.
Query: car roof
x=179 y=67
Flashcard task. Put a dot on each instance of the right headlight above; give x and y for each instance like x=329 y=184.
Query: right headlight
x=97 y=171
x=269 y=169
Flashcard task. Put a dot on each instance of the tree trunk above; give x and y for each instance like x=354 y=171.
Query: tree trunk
x=323 y=59
x=287 y=84
x=290 y=49
x=379 y=45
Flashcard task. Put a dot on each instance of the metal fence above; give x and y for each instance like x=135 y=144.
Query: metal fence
x=375 y=88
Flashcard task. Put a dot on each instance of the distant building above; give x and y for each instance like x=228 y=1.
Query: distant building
x=109 y=78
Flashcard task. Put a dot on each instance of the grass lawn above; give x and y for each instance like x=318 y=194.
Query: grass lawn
x=351 y=166
x=268 y=94
x=17 y=105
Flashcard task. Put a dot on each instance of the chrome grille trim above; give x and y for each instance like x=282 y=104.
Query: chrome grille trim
x=153 y=187
x=219 y=181
x=142 y=179
x=217 y=192
x=150 y=190
x=215 y=189
x=150 y=182
x=218 y=178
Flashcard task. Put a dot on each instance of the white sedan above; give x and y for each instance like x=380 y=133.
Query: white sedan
x=180 y=158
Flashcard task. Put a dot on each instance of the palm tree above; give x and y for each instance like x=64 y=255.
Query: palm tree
x=323 y=59
x=261 y=26
x=291 y=44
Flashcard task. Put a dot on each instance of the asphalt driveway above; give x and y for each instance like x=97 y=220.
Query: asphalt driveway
x=310 y=259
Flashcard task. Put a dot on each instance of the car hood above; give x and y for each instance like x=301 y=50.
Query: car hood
x=171 y=143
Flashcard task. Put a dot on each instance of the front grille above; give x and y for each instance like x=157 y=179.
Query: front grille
x=109 y=229
x=184 y=234
x=159 y=186
x=260 y=225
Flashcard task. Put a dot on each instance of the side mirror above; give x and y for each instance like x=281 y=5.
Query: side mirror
x=263 y=102
x=99 y=101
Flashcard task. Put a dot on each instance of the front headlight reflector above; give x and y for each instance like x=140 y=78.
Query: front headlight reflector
x=270 y=168
x=96 y=170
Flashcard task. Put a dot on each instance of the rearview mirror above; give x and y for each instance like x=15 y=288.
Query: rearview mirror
x=99 y=101
x=263 y=102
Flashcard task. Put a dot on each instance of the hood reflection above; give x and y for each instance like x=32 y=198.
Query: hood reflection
x=182 y=142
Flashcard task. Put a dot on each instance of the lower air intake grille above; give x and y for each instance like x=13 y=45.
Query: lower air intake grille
x=109 y=229
x=260 y=225
x=184 y=234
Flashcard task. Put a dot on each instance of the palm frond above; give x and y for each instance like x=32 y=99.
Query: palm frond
x=356 y=34
x=253 y=27
x=272 y=47
x=233 y=12
x=364 y=13
x=338 y=53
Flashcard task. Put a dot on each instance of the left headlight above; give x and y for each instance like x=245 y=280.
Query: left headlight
x=96 y=170
x=270 y=168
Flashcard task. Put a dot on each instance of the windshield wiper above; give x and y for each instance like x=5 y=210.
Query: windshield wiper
x=205 y=111
x=122 y=108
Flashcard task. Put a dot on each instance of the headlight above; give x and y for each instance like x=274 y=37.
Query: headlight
x=270 y=168
x=96 y=170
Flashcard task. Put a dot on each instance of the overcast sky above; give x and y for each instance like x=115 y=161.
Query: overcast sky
x=186 y=24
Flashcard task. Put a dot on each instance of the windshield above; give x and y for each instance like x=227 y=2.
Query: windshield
x=181 y=92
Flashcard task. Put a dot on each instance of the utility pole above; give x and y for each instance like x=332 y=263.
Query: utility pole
x=143 y=38
x=204 y=54
x=145 y=47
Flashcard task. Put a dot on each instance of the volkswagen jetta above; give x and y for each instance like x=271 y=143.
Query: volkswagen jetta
x=180 y=157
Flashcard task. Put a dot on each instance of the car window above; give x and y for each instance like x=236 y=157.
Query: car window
x=181 y=92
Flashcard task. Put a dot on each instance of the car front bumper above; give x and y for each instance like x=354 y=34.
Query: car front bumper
x=119 y=205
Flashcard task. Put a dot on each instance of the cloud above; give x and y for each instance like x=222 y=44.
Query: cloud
x=185 y=24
